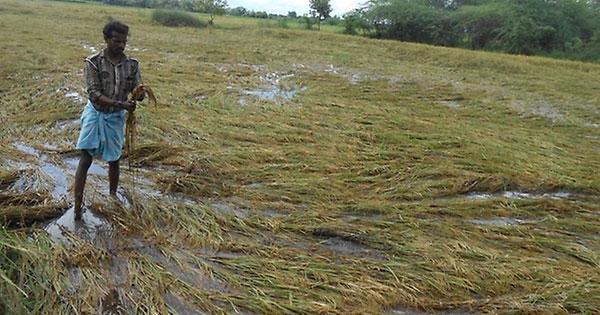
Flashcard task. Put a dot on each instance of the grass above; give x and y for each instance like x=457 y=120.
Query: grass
x=358 y=195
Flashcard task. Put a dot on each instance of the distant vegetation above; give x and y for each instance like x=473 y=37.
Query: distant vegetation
x=176 y=18
x=567 y=29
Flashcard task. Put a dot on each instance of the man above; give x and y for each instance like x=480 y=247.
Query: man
x=110 y=76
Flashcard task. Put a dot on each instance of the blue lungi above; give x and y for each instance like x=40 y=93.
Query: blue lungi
x=102 y=134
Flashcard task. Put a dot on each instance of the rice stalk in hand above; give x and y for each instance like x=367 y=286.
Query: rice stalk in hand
x=138 y=94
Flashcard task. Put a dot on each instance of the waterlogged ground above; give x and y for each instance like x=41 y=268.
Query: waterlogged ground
x=297 y=172
x=50 y=167
x=45 y=167
x=54 y=172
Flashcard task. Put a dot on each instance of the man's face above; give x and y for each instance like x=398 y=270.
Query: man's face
x=116 y=44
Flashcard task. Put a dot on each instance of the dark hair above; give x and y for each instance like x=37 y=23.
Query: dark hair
x=115 y=26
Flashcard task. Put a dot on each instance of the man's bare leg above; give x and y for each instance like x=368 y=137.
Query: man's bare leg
x=85 y=161
x=113 y=177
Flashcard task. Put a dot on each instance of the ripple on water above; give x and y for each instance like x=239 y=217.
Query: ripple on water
x=87 y=228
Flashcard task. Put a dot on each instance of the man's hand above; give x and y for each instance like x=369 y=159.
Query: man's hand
x=129 y=105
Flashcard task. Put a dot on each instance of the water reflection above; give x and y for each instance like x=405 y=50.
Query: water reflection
x=94 y=168
x=520 y=195
x=87 y=228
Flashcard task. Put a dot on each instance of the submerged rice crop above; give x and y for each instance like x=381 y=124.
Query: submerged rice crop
x=398 y=178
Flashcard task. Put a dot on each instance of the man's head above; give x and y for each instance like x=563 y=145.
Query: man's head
x=115 y=36
x=113 y=27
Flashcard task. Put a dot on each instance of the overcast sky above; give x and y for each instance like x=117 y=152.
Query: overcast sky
x=301 y=7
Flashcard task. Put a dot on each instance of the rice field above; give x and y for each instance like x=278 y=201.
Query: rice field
x=288 y=171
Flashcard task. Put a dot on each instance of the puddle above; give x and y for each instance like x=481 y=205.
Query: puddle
x=407 y=311
x=94 y=168
x=226 y=209
x=26 y=149
x=59 y=182
x=450 y=104
x=179 y=304
x=75 y=96
x=352 y=77
x=60 y=191
x=67 y=124
x=276 y=90
x=90 y=48
x=271 y=94
x=346 y=244
x=185 y=265
x=500 y=221
x=522 y=195
x=345 y=247
x=87 y=228
x=403 y=311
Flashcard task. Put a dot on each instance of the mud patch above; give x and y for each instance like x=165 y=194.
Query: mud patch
x=227 y=209
x=346 y=244
x=179 y=304
x=112 y=303
x=186 y=266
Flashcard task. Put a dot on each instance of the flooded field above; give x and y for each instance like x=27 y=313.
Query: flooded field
x=297 y=172
x=194 y=266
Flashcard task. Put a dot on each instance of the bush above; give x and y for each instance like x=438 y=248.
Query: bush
x=174 y=18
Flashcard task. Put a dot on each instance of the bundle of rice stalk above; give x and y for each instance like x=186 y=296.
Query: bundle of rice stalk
x=138 y=94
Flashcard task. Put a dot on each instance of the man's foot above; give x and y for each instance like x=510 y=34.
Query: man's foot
x=78 y=215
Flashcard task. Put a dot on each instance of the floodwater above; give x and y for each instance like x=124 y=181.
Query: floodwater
x=88 y=228
x=59 y=171
x=521 y=195
x=60 y=176
x=274 y=88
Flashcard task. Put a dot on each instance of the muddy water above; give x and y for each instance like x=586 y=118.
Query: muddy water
x=520 y=195
x=60 y=174
x=88 y=228
x=187 y=268
x=274 y=89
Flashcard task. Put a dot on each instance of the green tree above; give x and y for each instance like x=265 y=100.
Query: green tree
x=354 y=21
x=238 y=11
x=568 y=28
x=321 y=9
x=213 y=7
x=482 y=24
x=412 y=20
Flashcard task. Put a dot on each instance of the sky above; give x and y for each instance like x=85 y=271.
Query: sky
x=301 y=7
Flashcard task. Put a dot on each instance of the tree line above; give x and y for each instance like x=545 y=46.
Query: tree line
x=558 y=28
x=555 y=28
x=202 y=6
